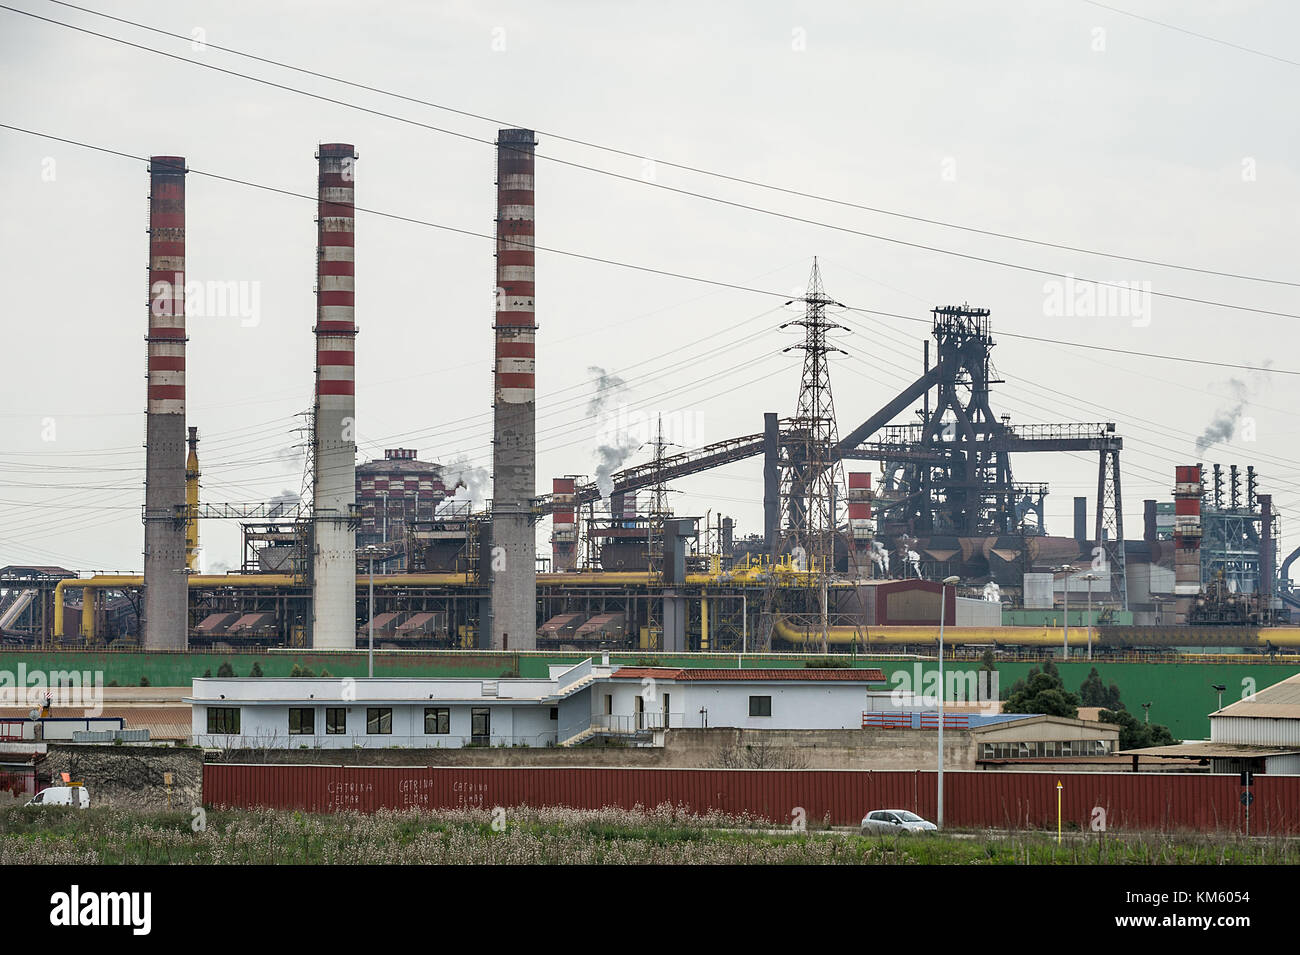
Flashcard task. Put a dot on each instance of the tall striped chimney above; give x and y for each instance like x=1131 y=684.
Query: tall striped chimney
x=166 y=586
x=334 y=560
x=513 y=567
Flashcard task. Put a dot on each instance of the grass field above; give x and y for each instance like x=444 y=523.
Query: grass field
x=562 y=836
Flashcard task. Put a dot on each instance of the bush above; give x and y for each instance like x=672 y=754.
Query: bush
x=256 y=670
x=144 y=681
x=225 y=671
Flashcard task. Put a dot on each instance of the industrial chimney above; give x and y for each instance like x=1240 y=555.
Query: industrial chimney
x=1187 y=529
x=513 y=567
x=166 y=585
x=564 y=534
x=334 y=560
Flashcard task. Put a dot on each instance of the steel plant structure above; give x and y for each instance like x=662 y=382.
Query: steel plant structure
x=947 y=501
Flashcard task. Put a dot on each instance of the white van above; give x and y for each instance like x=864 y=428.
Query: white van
x=62 y=796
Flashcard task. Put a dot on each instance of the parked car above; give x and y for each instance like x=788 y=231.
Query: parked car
x=62 y=796
x=896 y=821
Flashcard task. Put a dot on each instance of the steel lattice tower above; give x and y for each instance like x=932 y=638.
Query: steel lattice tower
x=815 y=477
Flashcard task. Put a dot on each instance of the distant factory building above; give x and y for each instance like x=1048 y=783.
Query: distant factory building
x=393 y=492
x=1257 y=734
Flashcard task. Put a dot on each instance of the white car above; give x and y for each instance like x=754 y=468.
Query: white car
x=880 y=821
x=62 y=796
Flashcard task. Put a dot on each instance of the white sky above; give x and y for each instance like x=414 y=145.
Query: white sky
x=1002 y=116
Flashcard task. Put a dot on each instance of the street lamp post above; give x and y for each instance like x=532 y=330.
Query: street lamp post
x=1067 y=569
x=1146 y=713
x=1220 y=687
x=943 y=601
x=1090 y=578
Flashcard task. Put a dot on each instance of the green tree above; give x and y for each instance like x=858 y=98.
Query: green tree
x=207 y=674
x=987 y=661
x=257 y=669
x=144 y=681
x=1134 y=734
x=225 y=671
x=1095 y=693
x=299 y=670
x=1042 y=693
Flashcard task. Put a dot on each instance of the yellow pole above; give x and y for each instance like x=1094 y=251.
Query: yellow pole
x=88 y=613
x=1058 y=812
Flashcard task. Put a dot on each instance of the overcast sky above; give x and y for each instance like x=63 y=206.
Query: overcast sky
x=1056 y=120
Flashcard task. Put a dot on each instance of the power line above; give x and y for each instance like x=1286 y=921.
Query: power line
x=1178 y=29
x=741 y=180
x=1001 y=263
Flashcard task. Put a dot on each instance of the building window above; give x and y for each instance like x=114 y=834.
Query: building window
x=336 y=720
x=437 y=719
x=302 y=721
x=760 y=706
x=379 y=720
x=223 y=719
x=555 y=712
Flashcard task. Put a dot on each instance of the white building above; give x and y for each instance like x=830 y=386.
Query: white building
x=574 y=704
x=1257 y=734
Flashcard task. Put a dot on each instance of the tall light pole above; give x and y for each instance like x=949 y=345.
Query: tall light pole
x=370 y=552
x=1067 y=569
x=943 y=602
x=1090 y=578
x=1220 y=687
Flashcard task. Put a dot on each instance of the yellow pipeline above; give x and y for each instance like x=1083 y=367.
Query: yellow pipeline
x=959 y=636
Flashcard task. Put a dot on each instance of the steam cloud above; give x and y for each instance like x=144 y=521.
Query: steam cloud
x=1224 y=423
x=467 y=481
x=608 y=387
x=281 y=503
x=614 y=448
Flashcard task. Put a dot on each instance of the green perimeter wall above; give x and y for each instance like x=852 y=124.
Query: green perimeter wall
x=1180 y=692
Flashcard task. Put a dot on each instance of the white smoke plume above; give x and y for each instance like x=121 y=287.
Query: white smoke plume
x=466 y=481
x=1224 y=423
x=282 y=502
x=616 y=445
x=607 y=388
x=610 y=459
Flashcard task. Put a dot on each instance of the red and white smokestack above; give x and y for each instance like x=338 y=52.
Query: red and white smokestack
x=1188 y=491
x=334 y=473
x=564 y=525
x=166 y=598
x=860 y=529
x=513 y=582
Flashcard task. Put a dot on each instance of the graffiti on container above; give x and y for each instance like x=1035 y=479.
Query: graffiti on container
x=345 y=795
x=415 y=793
x=468 y=794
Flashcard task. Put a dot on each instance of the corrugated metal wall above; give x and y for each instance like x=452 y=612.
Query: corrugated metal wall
x=972 y=799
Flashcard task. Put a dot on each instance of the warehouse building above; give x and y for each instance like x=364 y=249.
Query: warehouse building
x=1258 y=734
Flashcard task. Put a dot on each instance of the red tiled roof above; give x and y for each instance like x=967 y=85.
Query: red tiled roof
x=727 y=675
